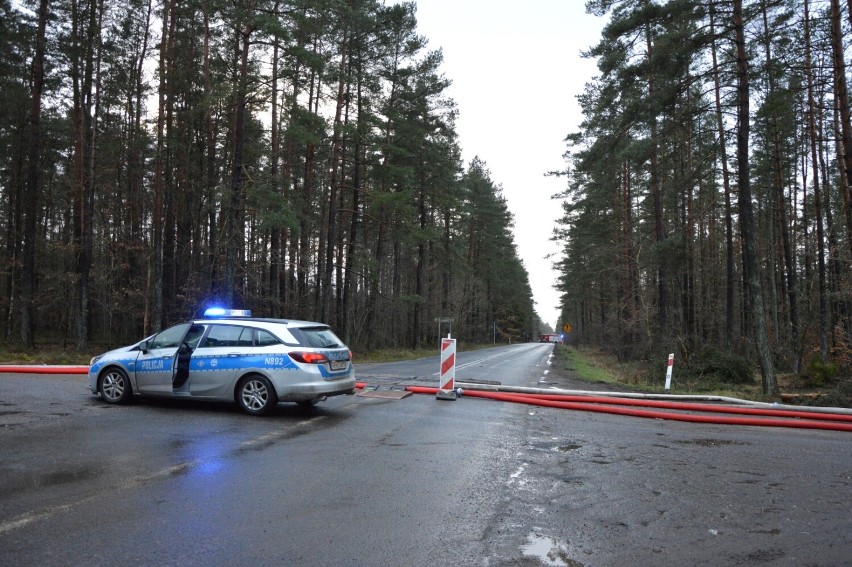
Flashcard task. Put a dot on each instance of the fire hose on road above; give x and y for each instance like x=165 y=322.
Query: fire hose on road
x=836 y=420
x=765 y=415
x=36 y=369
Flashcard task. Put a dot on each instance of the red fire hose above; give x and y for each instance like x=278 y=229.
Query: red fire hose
x=761 y=417
x=35 y=369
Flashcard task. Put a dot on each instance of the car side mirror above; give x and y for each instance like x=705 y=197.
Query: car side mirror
x=143 y=346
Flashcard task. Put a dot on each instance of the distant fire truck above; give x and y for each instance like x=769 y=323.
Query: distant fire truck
x=550 y=338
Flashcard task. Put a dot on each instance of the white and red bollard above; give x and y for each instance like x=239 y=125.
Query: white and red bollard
x=669 y=372
x=446 y=381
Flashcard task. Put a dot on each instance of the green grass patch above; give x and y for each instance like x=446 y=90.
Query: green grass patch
x=593 y=366
x=583 y=367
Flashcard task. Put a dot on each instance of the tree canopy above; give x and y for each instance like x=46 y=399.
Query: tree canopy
x=708 y=189
x=298 y=158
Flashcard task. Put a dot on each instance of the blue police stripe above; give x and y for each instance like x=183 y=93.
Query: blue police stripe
x=218 y=363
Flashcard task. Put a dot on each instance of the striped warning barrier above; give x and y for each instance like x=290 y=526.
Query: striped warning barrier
x=448 y=370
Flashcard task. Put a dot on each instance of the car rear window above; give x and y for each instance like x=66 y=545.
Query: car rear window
x=316 y=337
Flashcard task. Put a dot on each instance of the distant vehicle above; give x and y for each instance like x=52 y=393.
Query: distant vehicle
x=551 y=338
x=229 y=356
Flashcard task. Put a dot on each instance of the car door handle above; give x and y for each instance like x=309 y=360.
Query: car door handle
x=233 y=354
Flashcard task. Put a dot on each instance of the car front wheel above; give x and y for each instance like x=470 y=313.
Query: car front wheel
x=115 y=386
x=256 y=396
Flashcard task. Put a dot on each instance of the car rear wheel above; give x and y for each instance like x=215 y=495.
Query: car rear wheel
x=256 y=396
x=115 y=386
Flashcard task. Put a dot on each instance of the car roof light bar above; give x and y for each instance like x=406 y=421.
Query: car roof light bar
x=222 y=312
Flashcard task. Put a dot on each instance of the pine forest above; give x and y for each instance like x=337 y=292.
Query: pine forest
x=707 y=201
x=300 y=158
x=293 y=157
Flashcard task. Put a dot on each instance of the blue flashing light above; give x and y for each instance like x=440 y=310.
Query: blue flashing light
x=222 y=312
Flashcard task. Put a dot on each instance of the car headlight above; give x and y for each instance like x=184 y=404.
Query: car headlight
x=95 y=359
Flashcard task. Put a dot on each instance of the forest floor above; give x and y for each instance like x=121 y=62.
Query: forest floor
x=46 y=353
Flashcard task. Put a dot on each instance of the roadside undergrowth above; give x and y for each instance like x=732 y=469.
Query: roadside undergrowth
x=708 y=375
x=45 y=354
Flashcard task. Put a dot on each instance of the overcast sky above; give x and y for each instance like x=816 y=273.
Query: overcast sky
x=516 y=71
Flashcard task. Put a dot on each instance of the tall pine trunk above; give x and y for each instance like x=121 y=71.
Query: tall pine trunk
x=30 y=197
x=842 y=98
x=83 y=72
x=133 y=264
x=729 y=224
x=235 y=227
x=274 y=282
x=350 y=275
x=657 y=197
x=336 y=142
x=747 y=226
x=818 y=212
x=154 y=296
x=306 y=207
x=781 y=207
x=210 y=154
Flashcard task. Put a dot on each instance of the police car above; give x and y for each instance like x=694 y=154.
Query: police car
x=229 y=356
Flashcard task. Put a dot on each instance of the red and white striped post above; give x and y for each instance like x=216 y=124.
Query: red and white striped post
x=448 y=368
x=669 y=372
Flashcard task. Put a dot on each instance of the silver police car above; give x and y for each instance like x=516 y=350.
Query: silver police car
x=229 y=356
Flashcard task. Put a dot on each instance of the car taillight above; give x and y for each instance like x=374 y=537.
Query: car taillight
x=309 y=357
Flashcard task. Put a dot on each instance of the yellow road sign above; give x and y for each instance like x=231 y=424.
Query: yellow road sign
x=567 y=327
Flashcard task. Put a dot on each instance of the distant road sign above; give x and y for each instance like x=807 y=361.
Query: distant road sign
x=567 y=327
x=443 y=319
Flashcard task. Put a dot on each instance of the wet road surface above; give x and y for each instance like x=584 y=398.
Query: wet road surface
x=365 y=481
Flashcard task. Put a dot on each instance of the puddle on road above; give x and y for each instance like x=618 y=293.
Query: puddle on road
x=710 y=442
x=549 y=550
x=565 y=448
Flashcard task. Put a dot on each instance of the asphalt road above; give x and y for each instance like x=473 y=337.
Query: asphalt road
x=366 y=481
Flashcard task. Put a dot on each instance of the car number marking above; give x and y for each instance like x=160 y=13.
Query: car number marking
x=339 y=365
x=275 y=361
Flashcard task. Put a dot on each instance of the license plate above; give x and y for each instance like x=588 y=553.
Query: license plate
x=339 y=364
